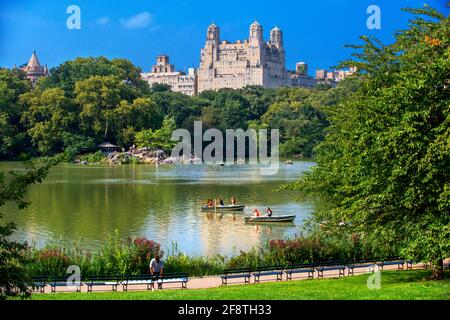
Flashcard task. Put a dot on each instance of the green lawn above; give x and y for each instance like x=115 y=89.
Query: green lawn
x=404 y=285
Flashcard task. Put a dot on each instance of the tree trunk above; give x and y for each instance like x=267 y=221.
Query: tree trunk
x=437 y=269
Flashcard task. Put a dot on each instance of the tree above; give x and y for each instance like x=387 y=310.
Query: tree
x=13 y=257
x=48 y=116
x=157 y=139
x=385 y=163
x=259 y=99
x=66 y=75
x=132 y=117
x=12 y=138
x=98 y=96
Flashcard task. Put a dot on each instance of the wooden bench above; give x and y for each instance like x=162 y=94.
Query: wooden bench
x=39 y=283
x=112 y=281
x=236 y=273
x=339 y=265
x=300 y=268
x=63 y=282
x=357 y=264
x=268 y=271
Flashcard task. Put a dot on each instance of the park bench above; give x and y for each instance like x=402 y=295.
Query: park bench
x=112 y=281
x=55 y=282
x=361 y=263
x=300 y=268
x=39 y=283
x=173 y=278
x=149 y=280
x=337 y=265
x=235 y=274
x=268 y=271
x=392 y=261
x=130 y=280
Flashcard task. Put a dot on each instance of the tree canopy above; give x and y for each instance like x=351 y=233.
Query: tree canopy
x=385 y=163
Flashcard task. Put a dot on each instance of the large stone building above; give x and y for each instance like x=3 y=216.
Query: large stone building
x=164 y=73
x=34 y=70
x=252 y=61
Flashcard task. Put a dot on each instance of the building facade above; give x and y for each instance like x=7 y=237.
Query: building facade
x=164 y=73
x=334 y=76
x=34 y=70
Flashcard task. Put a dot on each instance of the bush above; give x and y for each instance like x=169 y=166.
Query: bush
x=93 y=157
x=118 y=257
x=177 y=261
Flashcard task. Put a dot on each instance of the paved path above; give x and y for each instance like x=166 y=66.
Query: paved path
x=215 y=281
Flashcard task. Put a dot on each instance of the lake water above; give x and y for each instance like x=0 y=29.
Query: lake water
x=86 y=204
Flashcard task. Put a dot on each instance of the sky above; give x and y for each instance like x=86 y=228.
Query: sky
x=314 y=31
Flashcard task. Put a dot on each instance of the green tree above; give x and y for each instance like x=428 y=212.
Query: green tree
x=385 y=163
x=157 y=139
x=132 y=117
x=66 y=75
x=12 y=137
x=98 y=96
x=13 y=257
x=48 y=116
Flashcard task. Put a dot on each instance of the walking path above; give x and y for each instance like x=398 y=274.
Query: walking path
x=216 y=281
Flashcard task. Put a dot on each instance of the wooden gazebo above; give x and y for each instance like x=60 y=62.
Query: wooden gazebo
x=108 y=147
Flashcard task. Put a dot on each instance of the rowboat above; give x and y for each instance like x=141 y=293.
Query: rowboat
x=280 y=218
x=236 y=207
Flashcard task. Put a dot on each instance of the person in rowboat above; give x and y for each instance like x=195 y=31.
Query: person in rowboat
x=256 y=213
x=233 y=200
x=269 y=212
x=221 y=203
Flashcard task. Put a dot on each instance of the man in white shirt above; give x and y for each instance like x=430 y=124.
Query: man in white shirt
x=156 y=269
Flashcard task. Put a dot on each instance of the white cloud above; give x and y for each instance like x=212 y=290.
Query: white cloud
x=103 y=21
x=141 y=20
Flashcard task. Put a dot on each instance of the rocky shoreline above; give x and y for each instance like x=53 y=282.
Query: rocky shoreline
x=141 y=156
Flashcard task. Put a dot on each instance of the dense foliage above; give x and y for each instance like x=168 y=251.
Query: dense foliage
x=118 y=257
x=87 y=101
x=385 y=163
x=13 y=255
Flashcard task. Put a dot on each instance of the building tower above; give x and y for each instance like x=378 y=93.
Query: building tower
x=162 y=65
x=276 y=37
x=34 y=70
x=213 y=34
x=301 y=68
x=256 y=34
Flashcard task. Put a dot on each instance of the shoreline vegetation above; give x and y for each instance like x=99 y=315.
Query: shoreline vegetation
x=132 y=256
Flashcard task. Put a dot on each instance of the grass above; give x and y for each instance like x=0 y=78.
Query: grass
x=395 y=285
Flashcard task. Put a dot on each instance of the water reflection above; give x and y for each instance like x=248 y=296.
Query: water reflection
x=87 y=203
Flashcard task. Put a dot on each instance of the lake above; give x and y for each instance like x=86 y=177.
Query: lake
x=86 y=204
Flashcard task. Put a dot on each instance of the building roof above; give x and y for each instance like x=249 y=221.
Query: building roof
x=33 y=63
x=107 y=145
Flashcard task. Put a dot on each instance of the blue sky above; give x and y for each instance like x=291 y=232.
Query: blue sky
x=314 y=31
